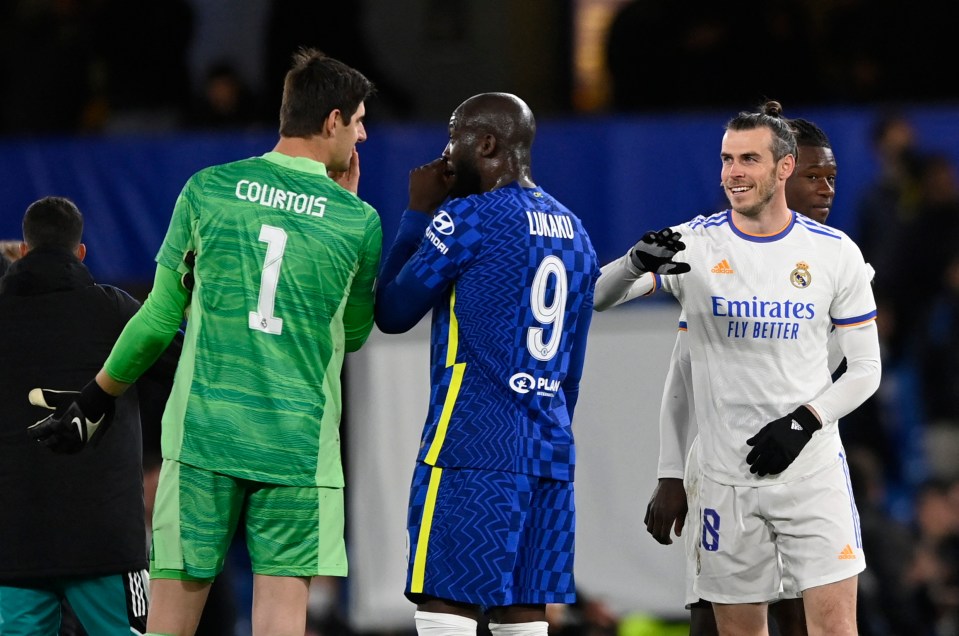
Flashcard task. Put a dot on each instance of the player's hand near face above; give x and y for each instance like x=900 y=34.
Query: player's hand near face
x=350 y=178
x=666 y=510
x=430 y=184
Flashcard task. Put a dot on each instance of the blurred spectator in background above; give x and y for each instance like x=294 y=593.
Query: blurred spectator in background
x=224 y=102
x=9 y=250
x=690 y=36
x=142 y=70
x=888 y=602
x=297 y=23
x=929 y=238
x=936 y=571
x=663 y=55
x=887 y=208
x=46 y=56
x=939 y=360
x=855 y=59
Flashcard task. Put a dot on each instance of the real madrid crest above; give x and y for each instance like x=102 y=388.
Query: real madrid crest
x=800 y=277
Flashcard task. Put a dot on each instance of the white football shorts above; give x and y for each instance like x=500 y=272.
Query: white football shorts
x=741 y=540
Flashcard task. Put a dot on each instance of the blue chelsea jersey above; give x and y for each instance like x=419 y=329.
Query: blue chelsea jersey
x=518 y=270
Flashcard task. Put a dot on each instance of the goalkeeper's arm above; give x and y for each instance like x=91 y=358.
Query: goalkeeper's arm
x=80 y=417
x=148 y=333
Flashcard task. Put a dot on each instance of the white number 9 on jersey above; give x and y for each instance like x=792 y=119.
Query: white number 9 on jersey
x=547 y=314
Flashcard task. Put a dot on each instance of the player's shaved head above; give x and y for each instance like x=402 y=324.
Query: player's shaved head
x=504 y=115
x=491 y=135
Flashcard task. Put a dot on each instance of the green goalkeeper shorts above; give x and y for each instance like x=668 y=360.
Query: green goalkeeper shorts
x=290 y=530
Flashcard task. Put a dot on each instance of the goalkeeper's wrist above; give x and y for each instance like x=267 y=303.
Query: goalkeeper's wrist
x=807 y=419
x=94 y=401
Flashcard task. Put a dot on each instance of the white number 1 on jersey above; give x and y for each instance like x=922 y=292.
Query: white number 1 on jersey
x=263 y=319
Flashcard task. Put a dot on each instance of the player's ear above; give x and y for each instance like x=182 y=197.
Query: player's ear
x=330 y=123
x=487 y=146
x=786 y=166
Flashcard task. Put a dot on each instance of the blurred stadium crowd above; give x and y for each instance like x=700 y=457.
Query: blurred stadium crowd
x=111 y=66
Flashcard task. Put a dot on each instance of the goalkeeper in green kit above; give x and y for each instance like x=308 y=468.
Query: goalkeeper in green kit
x=282 y=260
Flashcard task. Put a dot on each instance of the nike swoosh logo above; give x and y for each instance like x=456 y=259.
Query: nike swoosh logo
x=76 y=420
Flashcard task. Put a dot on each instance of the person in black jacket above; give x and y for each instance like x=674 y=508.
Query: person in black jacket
x=71 y=525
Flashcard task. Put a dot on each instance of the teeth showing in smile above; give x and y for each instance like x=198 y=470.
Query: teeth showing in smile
x=739 y=189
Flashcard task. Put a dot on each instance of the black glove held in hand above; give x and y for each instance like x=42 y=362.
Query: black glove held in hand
x=778 y=443
x=79 y=417
x=655 y=251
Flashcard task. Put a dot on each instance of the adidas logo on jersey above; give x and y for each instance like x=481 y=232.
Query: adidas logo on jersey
x=847 y=553
x=722 y=267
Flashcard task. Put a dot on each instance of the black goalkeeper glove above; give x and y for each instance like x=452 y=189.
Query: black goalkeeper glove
x=79 y=417
x=779 y=443
x=655 y=251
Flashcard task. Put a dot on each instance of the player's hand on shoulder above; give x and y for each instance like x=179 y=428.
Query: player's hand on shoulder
x=430 y=184
x=779 y=443
x=666 y=510
x=655 y=251
x=349 y=179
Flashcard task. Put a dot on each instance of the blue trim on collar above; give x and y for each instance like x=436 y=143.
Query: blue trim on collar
x=765 y=238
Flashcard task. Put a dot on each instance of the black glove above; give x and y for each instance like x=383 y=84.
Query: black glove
x=188 y=281
x=655 y=251
x=79 y=417
x=778 y=443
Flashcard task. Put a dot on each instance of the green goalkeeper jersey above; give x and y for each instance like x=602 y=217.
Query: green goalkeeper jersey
x=286 y=261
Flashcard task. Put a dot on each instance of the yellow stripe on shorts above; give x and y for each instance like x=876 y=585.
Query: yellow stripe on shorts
x=426 y=524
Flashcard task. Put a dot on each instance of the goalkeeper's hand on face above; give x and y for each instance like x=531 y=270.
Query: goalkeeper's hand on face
x=779 y=443
x=655 y=251
x=79 y=417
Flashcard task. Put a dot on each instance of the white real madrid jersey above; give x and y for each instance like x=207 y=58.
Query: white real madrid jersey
x=759 y=310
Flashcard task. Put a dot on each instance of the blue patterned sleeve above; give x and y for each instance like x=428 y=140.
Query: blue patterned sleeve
x=400 y=304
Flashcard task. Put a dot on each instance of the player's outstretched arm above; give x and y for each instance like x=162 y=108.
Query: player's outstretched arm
x=619 y=282
x=654 y=253
x=78 y=417
x=634 y=274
